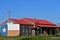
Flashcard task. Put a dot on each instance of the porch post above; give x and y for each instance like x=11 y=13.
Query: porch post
x=55 y=32
x=33 y=32
x=46 y=29
x=41 y=31
x=50 y=31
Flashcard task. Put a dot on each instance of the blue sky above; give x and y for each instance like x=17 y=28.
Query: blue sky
x=40 y=9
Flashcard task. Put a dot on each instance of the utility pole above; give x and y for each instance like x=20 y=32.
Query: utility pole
x=34 y=22
x=34 y=25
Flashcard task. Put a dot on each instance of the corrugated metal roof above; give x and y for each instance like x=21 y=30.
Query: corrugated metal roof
x=17 y=21
x=41 y=23
x=37 y=20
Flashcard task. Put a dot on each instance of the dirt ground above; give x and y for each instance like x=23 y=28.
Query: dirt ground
x=54 y=38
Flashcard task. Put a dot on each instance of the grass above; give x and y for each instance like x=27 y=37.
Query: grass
x=25 y=38
x=30 y=37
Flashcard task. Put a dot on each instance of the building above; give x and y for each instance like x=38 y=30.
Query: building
x=27 y=26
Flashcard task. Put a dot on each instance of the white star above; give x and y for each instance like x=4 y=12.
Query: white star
x=4 y=30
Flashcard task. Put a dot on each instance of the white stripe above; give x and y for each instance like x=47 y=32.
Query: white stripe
x=13 y=26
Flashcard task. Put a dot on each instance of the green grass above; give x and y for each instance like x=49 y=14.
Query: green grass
x=28 y=37
x=25 y=38
x=55 y=36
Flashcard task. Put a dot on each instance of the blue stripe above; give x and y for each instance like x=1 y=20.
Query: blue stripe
x=1 y=30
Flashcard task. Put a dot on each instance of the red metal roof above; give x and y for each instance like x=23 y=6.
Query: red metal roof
x=55 y=26
x=17 y=21
x=20 y=22
x=41 y=23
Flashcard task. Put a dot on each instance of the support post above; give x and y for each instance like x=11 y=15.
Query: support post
x=50 y=31
x=41 y=31
x=55 y=31
x=33 y=32
x=46 y=29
